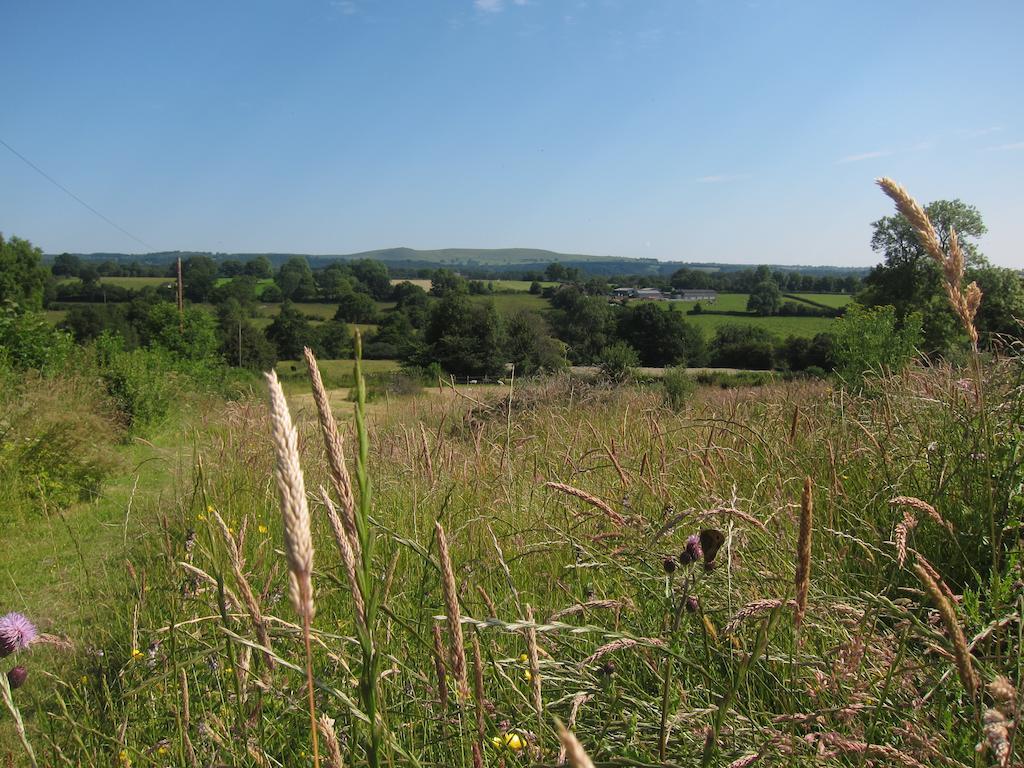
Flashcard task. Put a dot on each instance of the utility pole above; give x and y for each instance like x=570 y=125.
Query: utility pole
x=181 y=301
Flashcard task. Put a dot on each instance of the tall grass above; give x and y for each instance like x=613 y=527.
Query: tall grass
x=548 y=556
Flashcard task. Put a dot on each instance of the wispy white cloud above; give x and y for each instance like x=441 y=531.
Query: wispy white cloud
x=863 y=156
x=497 y=6
x=722 y=178
x=347 y=7
x=1006 y=147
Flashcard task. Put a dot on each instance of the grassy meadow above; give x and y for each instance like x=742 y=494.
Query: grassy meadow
x=556 y=523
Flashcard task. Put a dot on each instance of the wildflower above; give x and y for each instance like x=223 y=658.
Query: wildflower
x=692 y=604
x=209 y=509
x=670 y=565
x=124 y=758
x=16 y=677
x=263 y=529
x=85 y=679
x=527 y=675
x=201 y=517
x=607 y=669
x=511 y=740
x=137 y=654
x=693 y=551
x=16 y=634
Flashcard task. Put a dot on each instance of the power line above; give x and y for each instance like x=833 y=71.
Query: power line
x=61 y=187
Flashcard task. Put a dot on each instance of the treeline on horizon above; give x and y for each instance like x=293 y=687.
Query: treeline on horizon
x=409 y=263
x=738 y=279
x=441 y=329
x=454 y=328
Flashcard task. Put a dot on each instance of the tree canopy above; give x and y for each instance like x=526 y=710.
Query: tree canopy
x=22 y=276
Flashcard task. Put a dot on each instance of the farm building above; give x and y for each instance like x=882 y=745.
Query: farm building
x=696 y=295
x=648 y=293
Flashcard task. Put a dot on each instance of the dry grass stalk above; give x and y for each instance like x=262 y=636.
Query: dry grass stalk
x=731 y=510
x=451 y=604
x=332 y=758
x=592 y=500
x=186 y=717
x=998 y=738
x=803 y=552
x=252 y=605
x=610 y=450
x=534 y=660
x=440 y=672
x=965 y=303
x=999 y=722
x=427 y=458
x=964 y=667
x=753 y=610
x=919 y=505
x=348 y=557
x=938 y=579
x=619 y=645
x=574 y=752
x=230 y=597
x=907 y=524
x=478 y=688
x=492 y=609
x=577 y=701
x=572 y=610
x=746 y=761
x=882 y=752
x=298 y=536
x=294 y=508
x=335 y=447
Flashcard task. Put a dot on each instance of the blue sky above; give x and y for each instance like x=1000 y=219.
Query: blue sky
x=698 y=130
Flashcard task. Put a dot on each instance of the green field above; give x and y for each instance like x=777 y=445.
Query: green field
x=335 y=373
x=829 y=299
x=507 y=303
x=709 y=322
x=516 y=285
x=780 y=326
x=135 y=283
x=260 y=284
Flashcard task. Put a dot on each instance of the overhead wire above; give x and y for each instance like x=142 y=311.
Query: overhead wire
x=75 y=197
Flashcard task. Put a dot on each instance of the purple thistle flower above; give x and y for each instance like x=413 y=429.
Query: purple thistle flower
x=16 y=634
x=16 y=677
x=693 y=551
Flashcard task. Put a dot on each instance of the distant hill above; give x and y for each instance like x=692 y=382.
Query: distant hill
x=470 y=259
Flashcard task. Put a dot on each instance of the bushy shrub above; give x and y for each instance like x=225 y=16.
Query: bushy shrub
x=56 y=434
x=869 y=339
x=743 y=346
x=618 y=361
x=677 y=386
x=28 y=341
x=140 y=382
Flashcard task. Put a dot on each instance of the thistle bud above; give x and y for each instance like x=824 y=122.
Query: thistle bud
x=16 y=677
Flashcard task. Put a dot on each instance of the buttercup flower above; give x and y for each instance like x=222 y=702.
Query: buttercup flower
x=16 y=634
x=510 y=740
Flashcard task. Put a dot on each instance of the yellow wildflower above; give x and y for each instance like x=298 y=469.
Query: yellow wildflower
x=263 y=528
x=137 y=654
x=511 y=740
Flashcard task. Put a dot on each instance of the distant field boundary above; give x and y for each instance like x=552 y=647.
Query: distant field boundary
x=812 y=302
